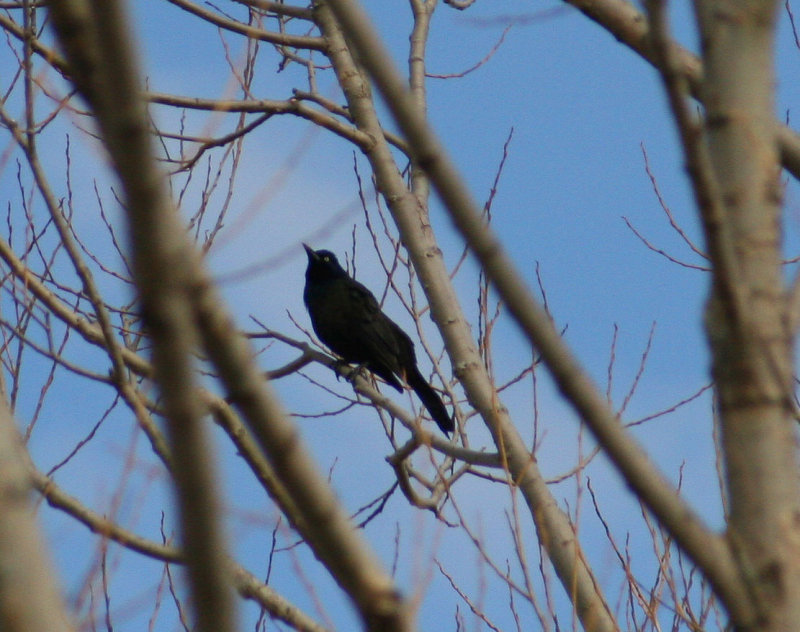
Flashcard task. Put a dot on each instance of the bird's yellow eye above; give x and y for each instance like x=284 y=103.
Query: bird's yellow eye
x=326 y=259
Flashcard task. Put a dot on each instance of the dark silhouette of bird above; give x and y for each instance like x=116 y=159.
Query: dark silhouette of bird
x=347 y=318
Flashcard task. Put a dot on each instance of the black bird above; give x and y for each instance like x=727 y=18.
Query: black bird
x=346 y=317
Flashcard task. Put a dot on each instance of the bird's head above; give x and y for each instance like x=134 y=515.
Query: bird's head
x=323 y=265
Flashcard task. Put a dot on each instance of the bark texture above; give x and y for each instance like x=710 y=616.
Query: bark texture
x=747 y=316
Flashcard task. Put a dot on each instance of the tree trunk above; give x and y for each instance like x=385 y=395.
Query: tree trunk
x=747 y=317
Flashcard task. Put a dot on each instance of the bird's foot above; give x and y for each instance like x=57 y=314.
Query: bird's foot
x=349 y=372
x=359 y=369
x=342 y=369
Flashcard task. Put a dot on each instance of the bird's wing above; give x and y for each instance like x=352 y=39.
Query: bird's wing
x=384 y=342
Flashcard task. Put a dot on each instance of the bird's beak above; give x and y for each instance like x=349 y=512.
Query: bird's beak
x=312 y=256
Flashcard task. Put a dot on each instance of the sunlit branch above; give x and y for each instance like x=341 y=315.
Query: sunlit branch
x=245 y=583
x=281 y=39
x=708 y=549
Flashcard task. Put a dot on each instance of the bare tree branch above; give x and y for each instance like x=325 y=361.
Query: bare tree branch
x=30 y=598
x=282 y=39
x=245 y=583
x=709 y=551
x=96 y=42
x=108 y=82
x=630 y=26
x=752 y=341
x=410 y=216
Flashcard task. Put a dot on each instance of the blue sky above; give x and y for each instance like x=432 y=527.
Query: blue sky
x=583 y=108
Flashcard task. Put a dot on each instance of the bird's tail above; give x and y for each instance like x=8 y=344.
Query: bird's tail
x=431 y=401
